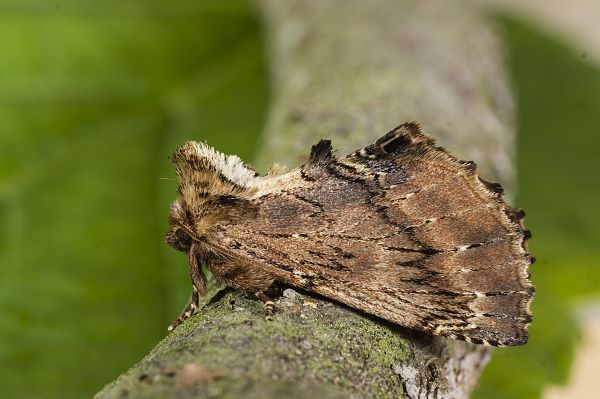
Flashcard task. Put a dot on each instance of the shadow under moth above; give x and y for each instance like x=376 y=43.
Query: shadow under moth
x=400 y=229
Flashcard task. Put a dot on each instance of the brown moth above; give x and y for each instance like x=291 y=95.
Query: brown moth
x=399 y=229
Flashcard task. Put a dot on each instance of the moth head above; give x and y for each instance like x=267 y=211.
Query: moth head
x=214 y=189
x=179 y=235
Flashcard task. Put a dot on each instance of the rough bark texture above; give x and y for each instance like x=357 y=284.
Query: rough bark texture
x=348 y=71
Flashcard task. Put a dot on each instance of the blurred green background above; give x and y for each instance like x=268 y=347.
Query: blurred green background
x=95 y=95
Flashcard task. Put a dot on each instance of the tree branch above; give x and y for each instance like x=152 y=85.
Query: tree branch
x=348 y=71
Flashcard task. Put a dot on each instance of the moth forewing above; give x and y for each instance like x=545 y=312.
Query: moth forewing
x=399 y=229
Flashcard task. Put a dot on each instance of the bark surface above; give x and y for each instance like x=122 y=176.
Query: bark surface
x=347 y=70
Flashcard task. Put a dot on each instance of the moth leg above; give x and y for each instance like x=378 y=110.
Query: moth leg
x=199 y=288
x=196 y=273
x=269 y=305
x=189 y=310
x=253 y=282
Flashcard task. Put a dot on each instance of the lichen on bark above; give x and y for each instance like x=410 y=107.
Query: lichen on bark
x=311 y=346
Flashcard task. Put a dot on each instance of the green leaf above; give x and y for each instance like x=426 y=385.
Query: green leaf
x=93 y=98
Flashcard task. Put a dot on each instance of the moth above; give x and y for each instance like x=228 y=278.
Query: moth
x=399 y=229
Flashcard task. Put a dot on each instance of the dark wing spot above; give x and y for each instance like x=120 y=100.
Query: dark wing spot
x=227 y=200
x=321 y=153
x=493 y=187
x=396 y=144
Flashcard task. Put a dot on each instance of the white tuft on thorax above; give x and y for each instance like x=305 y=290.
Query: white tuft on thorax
x=231 y=166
